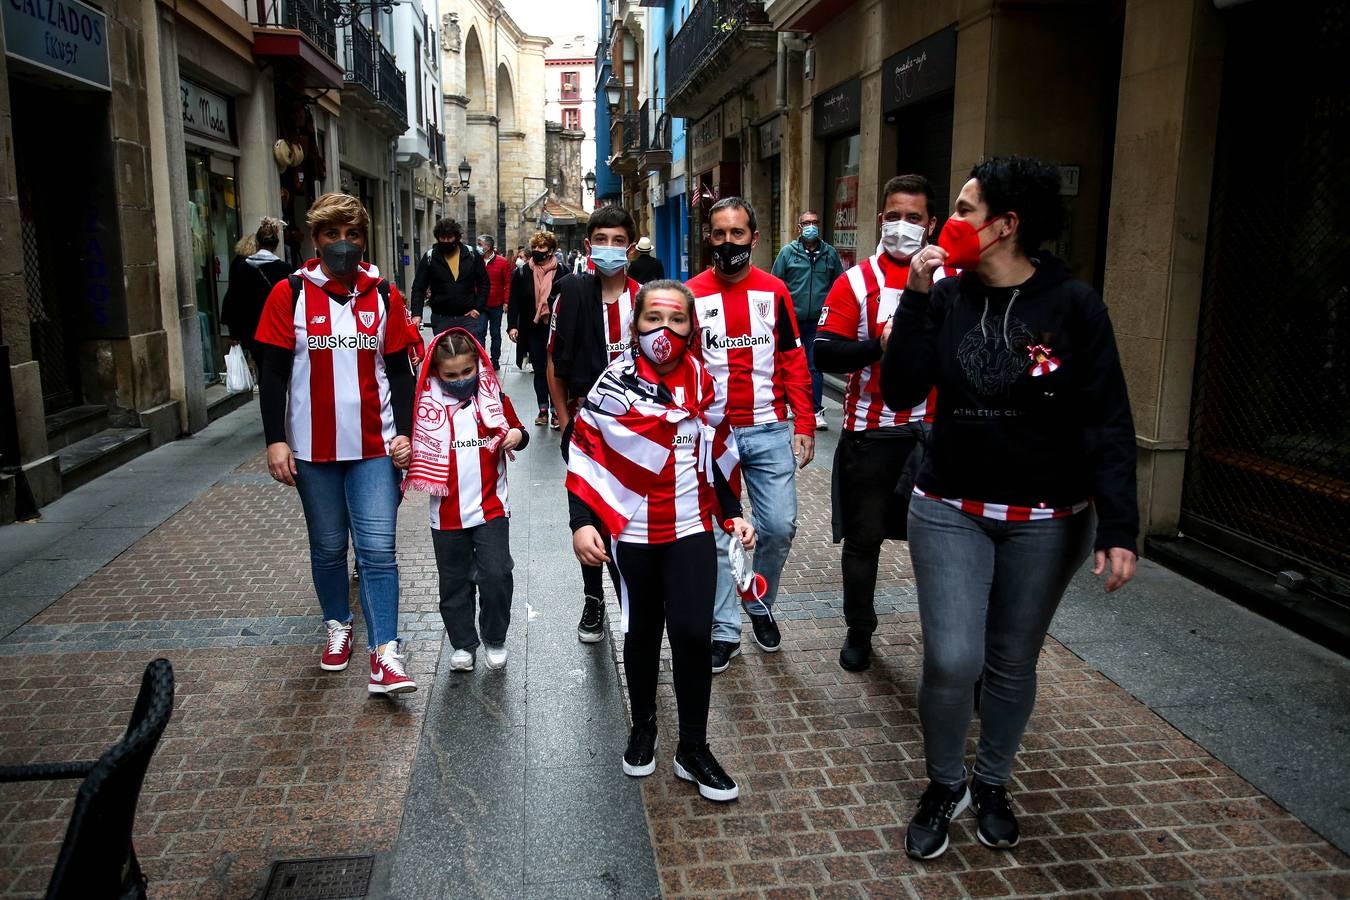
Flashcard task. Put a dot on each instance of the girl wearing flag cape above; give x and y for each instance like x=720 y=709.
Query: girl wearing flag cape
x=652 y=461
x=464 y=430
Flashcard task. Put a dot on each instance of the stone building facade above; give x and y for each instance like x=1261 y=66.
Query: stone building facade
x=492 y=82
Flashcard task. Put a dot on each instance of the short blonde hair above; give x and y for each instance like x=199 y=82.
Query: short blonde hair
x=338 y=209
x=545 y=237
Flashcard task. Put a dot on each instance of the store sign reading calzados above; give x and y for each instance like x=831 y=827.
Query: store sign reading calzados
x=67 y=37
x=206 y=113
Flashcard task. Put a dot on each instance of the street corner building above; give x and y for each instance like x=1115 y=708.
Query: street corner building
x=1220 y=256
x=141 y=142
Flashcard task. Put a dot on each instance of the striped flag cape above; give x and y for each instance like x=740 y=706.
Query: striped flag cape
x=625 y=434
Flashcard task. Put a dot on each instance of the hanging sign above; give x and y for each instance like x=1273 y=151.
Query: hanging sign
x=66 y=37
x=206 y=113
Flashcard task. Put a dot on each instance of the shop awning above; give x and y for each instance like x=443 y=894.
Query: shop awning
x=560 y=212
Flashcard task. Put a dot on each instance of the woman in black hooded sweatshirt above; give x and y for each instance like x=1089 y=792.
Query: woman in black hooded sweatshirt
x=1032 y=445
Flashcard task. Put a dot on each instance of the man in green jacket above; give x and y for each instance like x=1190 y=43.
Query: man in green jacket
x=809 y=266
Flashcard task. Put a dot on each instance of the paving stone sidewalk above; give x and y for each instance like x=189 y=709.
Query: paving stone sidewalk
x=1113 y=801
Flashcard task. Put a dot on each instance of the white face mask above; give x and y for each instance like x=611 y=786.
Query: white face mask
x=901 y=240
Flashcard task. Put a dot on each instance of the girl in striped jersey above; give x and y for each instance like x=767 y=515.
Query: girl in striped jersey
x=650 y=465
x=464 y=429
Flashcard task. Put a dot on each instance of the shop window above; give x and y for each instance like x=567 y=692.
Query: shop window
x=841 y=196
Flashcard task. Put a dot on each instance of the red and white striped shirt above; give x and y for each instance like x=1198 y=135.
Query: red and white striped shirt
x=750 y=343
x=859 y=305
x=338 y=406
x=618 y=321
x=478 y=488
x=1005 y=513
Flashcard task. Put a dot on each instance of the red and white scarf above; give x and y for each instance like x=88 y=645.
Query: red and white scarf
x=432 y=411
x=625 y=433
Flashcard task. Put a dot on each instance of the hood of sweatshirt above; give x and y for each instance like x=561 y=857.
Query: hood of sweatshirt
x=262 y=258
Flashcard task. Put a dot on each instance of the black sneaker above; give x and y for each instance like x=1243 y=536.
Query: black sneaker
x=701 y=767
x=857 y=653
x=927 y=834
x=591 y=628
x=723 y=652
x=993 y=809
x=766 y=632
x=640 y=757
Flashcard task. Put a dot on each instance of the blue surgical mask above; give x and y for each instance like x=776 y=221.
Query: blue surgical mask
x=609 y=260
x=461 y=390
x=810 y=232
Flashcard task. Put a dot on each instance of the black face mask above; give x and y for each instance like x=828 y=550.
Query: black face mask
x=731 y=258
x=541 y=256
x=342 y=258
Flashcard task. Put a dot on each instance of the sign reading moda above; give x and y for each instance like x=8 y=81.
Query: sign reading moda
x=67 y=37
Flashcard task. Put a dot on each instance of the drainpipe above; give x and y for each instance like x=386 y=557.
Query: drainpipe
x=780 y=95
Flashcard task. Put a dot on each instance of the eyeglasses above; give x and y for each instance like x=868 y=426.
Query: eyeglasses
x=808 y=222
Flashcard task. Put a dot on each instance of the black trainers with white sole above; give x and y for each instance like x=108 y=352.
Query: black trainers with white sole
x=723 y=652
x=701 y=767
x=639 y=759
x=926 y=837
x=993 y=809
x=766 y=632
x=591 y=628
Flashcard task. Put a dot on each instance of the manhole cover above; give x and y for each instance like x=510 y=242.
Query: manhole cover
x=329 y=878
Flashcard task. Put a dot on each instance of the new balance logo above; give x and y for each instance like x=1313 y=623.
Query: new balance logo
x=318 y=320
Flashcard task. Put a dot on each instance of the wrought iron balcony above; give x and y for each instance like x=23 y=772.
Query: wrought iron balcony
x=360 y=61
x=393 y=85
x=720 y=45
x=625 y=142
x=655 y=137
x=304 y=16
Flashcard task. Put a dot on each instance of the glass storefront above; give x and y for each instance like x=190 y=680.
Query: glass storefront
x=841 y=196
x=213 y=217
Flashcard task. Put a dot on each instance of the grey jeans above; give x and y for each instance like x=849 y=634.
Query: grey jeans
x=475 y=561
x=987 y=591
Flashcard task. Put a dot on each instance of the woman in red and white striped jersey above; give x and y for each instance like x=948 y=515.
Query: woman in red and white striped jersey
x=649 y=462
x=336 y=388
x=464 y=430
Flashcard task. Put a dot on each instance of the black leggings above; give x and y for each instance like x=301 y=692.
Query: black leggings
x=670 y=586
x=538 y=345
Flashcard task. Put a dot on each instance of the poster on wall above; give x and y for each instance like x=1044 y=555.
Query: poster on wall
x=846 y=219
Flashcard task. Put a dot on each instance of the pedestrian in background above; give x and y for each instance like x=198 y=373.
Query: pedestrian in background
x=533 y=288
x=336 y=390
x=592 y=327
x=753 y=350
x=255 y=269
x=877 y=443
x=644 y=266
x=635 y=469
x=499 y=288
x=466 y=431
x=809 y=267
x=1032 y=432
x=457 y=282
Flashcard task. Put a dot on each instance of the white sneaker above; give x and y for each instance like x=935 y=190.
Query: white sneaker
x=496 y=656
x=461 y=661
x=821 y=424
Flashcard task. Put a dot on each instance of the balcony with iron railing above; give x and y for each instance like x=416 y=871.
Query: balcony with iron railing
x=392 y=84
x=655 y=133
x=360 y=59
x=625 y=141
x=305 y=16
x=720 y=38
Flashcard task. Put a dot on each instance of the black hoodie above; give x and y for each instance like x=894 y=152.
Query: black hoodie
x=1002 y=434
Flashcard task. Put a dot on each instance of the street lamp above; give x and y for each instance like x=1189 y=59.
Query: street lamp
x=589 y=181
x=465 y=171
x=343 y=14
x=612 y=92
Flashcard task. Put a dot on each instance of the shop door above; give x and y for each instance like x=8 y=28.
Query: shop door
x=924 y=139
x=1268 y=469
x=213 y=219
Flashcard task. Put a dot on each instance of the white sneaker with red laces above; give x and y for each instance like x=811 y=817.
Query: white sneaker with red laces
x=337 y=649
x=387 y=675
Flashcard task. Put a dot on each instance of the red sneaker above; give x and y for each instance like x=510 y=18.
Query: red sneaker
x=337 y=649
x=387 y=675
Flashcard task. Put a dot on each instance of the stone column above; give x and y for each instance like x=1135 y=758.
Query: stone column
x=257 y=171
x=1159 y=218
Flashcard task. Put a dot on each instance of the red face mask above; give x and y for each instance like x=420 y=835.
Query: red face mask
x=961 y=240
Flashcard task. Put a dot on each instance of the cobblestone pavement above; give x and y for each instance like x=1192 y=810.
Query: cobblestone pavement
x=266 y=757
x=1113 y=801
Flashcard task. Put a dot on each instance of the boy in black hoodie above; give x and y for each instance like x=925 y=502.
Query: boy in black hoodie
x=1032 y=433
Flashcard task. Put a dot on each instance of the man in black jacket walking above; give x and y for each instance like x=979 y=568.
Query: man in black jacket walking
x=457 y=281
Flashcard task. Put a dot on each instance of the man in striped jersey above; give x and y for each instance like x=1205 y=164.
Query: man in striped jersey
x=877 y=440
x=749 y=341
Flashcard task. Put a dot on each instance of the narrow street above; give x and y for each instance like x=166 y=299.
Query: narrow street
x=1206 y=761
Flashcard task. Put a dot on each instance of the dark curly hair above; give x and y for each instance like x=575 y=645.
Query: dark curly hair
x=1028 y=187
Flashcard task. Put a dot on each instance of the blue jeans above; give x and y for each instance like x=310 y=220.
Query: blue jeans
x=359 y=497
x=477 y=327
x=769 y=471
x=808 y=330
x=987 y=591
x=494 y=330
